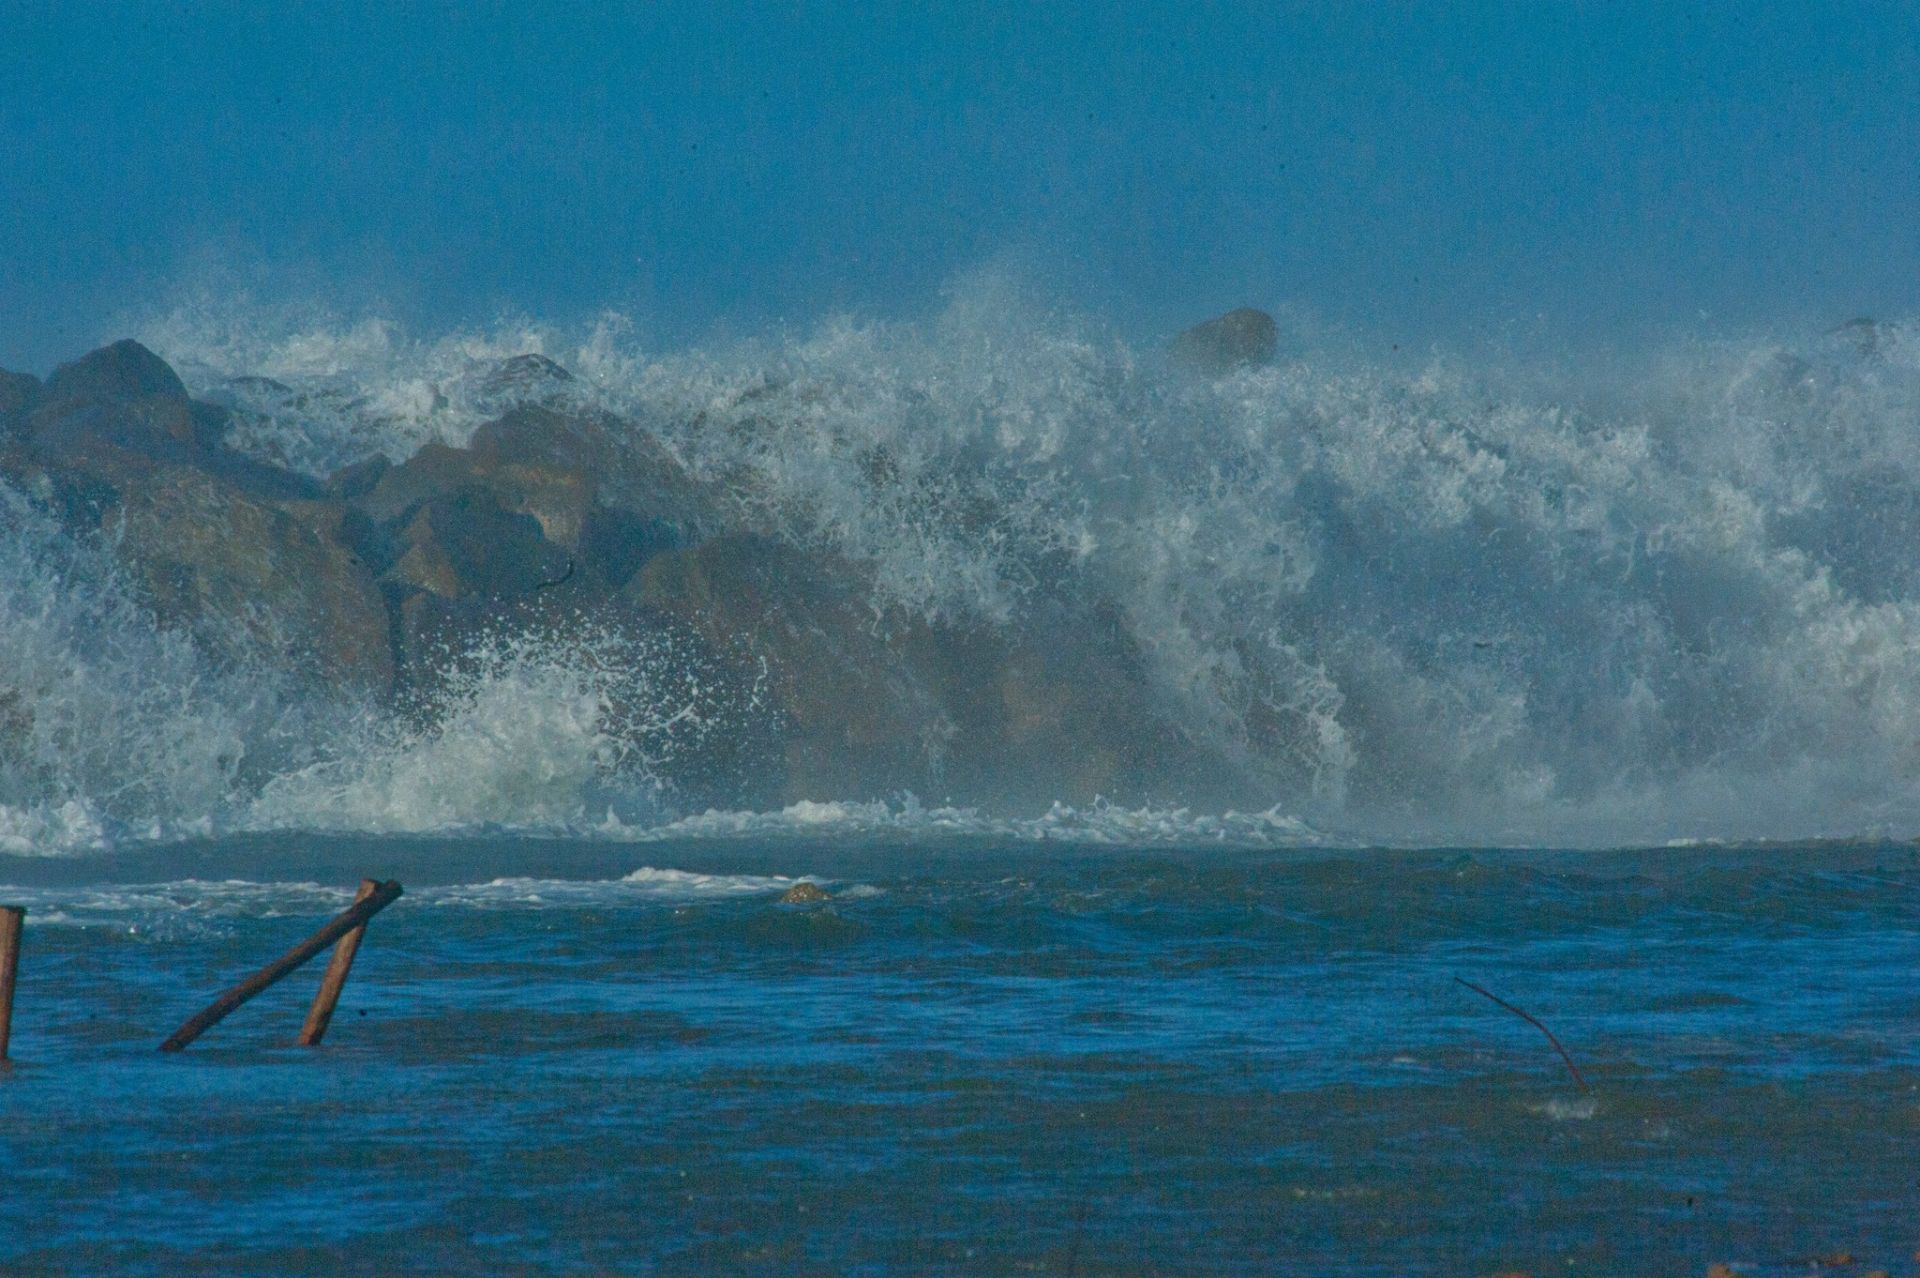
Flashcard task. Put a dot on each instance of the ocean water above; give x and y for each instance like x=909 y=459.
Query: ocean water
x=978 y=1055
x=1177 y=749
x=1452 y=628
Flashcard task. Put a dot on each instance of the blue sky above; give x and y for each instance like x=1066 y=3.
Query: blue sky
x=1417 y=171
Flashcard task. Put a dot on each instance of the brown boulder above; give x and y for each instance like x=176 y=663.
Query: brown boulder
x=122 y=395
x=125 y=371
x=1245 y=338
x=858 y=718
x=597 y=484
x=1054 y=708
x=123 y=408
x=873 y=705
x=252 y=580
x=607 y=507
x=465 y=544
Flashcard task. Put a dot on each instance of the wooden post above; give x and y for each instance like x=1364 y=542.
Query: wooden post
x=354 y=916
x=336 y=976
x=11 y=917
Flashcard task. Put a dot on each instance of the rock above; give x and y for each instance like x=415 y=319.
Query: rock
x=352 y=482
x=873 y=705
x=1245 y=338
x=437 y=470
x=122 y=408
x=253 y=581
x=804 y=893
x=17 y=393
x=857 y=716
x=1862 y=333
x=16 y=726
x=545 y=467
x=1061 y=709
x=631 y=476
x=250 y=559
x=464 y=544
x=523 y=378
x=124 y=371
x=123 y=396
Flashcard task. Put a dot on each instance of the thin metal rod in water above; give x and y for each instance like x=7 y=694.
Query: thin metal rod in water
x=1489 y=994
x=11 y=917
x=355 y=915
x=335 y=979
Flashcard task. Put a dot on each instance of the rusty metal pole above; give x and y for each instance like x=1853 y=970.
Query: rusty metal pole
x=335 y=979
x=354 y=916
x=11 y=917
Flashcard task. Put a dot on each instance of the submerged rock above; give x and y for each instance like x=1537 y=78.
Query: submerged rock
x=1245 y=338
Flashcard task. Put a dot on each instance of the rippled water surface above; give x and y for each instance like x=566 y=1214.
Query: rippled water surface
x=561 y=1057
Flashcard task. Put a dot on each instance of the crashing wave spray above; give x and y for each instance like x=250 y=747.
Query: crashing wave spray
x=1447 y=602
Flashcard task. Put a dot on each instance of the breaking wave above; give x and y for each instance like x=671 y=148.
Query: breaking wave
x=1492 y=599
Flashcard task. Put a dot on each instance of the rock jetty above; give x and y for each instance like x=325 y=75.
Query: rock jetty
x=372 y=581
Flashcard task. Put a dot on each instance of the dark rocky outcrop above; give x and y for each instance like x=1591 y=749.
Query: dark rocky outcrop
x=1245 y=338
x=540 y=515
x=246 y=557
x=524 y=377
x=561 y=527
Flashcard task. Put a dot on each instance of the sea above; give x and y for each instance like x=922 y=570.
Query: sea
x=1555 y=909
x=973 y=1056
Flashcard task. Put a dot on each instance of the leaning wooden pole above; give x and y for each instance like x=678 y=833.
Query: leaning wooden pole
x=354 y=916
x=11 y=917
x=335 y=979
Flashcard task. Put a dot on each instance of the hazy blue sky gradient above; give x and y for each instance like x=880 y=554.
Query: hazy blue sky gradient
x=1418 y=170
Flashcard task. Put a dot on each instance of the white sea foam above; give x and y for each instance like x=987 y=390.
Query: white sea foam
x=1561 y=1110
x=1589 y=600
x=645 y=883
x=110 y=725
x=189 y=906
x=907 y=819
